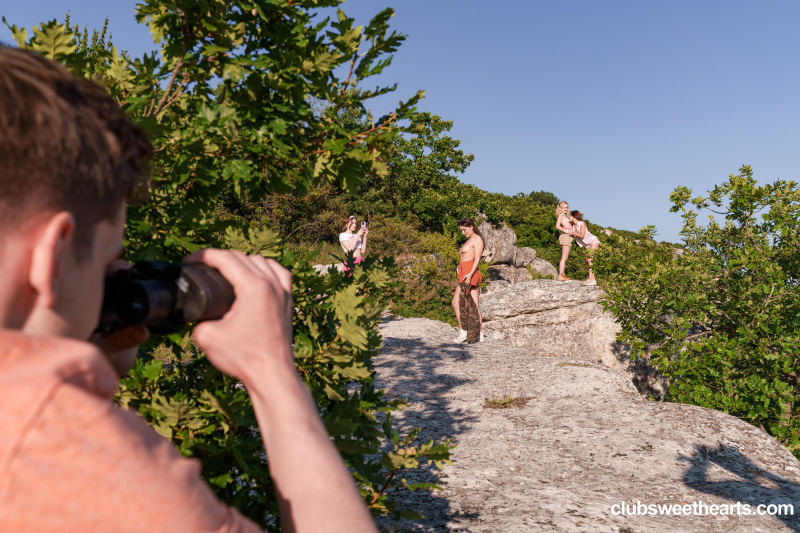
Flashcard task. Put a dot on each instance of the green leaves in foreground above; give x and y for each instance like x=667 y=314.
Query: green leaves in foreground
x=721 y=320
x=209 y=417
x=226 y=98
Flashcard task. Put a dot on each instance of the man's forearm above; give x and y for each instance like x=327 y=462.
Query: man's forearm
x=317 y=493
x=252 y=342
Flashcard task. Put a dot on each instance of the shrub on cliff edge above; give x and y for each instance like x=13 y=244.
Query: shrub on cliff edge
x=722 y=319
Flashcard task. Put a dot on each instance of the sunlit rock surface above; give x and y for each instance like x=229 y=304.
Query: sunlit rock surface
x=585 y=441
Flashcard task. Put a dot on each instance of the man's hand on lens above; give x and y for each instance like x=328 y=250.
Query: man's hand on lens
x=257 y=331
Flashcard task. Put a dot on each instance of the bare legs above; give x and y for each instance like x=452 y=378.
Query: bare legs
x=593 y=246
x=563 y=264
x=456 y=296
x=475 y=293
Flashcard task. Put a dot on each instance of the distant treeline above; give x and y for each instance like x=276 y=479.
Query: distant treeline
x=421 y=194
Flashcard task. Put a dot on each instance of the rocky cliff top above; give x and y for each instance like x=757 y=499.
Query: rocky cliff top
x=532 y=297
x=586 y=440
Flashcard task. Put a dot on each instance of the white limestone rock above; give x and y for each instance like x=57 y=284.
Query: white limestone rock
x=499 y=245
x=585 y=441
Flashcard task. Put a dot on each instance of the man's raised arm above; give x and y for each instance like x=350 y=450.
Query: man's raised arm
x=252 y=342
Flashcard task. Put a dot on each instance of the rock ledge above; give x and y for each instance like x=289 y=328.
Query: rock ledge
x=585 y=442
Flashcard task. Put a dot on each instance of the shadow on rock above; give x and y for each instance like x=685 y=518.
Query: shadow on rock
x=423 y=381
x=725 y=471
x=646 y=378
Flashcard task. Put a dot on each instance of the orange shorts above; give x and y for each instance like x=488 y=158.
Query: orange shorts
x=463 y=270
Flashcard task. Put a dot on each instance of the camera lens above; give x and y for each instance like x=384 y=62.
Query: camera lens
x=203 y=293
x=141 y=302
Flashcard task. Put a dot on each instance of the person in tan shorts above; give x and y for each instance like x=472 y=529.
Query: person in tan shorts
x=70 y=459
x=565 y=239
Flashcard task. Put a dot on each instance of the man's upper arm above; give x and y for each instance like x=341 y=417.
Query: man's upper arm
x=86 y=465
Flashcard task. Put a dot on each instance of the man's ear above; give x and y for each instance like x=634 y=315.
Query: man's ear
x=47 y=261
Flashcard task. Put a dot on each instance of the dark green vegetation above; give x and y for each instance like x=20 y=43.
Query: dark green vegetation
x=722 y=321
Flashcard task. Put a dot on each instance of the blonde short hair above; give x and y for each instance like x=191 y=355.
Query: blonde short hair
x=558 y=207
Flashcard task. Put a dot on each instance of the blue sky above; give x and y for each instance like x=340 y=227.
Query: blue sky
x=609 y=105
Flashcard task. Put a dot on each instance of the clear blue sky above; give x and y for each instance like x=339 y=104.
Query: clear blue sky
x=609 y=105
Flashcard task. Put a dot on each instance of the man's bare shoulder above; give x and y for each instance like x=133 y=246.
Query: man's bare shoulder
x=86 y=463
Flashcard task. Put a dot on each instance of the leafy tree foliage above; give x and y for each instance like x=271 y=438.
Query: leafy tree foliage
x=95 y=50
x=228 y=103
x=721 y=320
x=422 y=178
x=256 y=131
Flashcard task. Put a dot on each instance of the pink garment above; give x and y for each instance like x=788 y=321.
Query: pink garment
x=73 y=461
x=588 y=238
x=356 y=261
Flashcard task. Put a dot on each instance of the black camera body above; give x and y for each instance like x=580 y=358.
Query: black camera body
x=163 y=296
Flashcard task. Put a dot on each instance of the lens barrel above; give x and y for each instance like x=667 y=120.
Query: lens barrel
x=143 y=302
x=163 y=296
x=203 y=293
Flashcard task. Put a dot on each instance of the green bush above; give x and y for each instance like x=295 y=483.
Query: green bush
x=323 y=254
x=721 y=321
x=394 y=236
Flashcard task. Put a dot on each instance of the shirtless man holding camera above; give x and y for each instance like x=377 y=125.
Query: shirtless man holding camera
x=71 y=460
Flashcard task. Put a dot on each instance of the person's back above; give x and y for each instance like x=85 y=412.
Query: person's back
x=70 y=458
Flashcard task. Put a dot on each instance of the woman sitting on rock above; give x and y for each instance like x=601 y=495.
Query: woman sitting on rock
x=352 y=241
x=471 y=254
x=564 y=227
x=584 y=239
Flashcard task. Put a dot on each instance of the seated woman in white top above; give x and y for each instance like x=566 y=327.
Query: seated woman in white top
x=584 y=239
x=353 y=241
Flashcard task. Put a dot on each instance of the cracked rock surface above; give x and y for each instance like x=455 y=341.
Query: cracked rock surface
x=564 y=319
x=559 y=318
x=584 y=441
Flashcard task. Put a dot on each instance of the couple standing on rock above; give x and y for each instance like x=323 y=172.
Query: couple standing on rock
x=571 y=226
